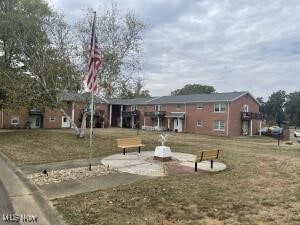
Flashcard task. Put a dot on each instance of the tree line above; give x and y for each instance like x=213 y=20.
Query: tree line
x=41 y=55
x=281 y=108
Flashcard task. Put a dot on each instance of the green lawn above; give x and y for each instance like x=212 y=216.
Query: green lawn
x=260 y=186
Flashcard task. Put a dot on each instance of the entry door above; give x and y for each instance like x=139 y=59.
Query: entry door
x=178 y=125
x=35 y=121
x=245 y=128
x=65 y=123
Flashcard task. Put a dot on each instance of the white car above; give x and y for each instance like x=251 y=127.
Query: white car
x=297 y=133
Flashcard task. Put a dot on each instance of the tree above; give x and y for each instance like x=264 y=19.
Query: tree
x=137 y=91
x=292 y=108
x=274 y=107
x=194 y=89
x=36 y=64
x=120 y=40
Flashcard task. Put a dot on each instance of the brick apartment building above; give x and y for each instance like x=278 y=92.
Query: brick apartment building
x=221 y=114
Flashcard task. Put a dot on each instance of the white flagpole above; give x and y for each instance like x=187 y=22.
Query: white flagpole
x=92 y=102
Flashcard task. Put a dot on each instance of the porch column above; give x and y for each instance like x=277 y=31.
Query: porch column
x=260 y=128
x=144 y=121
x=132 y=122
x=251 y=128
x=169 y=123
x=121 y=117
x=73 y=113
x=110 y=114
x=158 y=122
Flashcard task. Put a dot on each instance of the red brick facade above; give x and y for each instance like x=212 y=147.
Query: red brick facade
x=198 y=117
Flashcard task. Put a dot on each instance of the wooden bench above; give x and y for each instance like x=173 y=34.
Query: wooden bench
x=131 y=142
x=207 y=155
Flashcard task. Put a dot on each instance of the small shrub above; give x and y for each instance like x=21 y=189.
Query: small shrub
x=289 y=142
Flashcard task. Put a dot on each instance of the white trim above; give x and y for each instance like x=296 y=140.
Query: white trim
x=201 y=125
x=110 y=114
x=14 y=118
x=153 y=99
x=219 y=103
x=219 y=125
x=121 y=117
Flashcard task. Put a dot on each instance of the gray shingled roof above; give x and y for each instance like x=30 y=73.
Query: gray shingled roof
x=213 y=97
x=132 y=101
x=73 y=96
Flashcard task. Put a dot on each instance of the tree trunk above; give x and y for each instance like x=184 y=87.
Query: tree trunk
x=77 y=131
x=83 y=125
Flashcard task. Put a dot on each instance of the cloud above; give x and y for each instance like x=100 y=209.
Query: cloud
x=232 y=45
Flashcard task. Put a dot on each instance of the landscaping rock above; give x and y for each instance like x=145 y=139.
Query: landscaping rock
x=57 y=176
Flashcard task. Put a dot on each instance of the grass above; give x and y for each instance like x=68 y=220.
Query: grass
x=260 y=186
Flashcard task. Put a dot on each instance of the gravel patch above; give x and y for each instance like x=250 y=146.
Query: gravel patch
x=57 y=176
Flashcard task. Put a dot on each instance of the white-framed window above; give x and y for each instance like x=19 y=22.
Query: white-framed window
x=14 y=120
x=200 y=106
x=157 y=108
x=220 y=107
x=199 y=123
x=52 y=118
x=178 y=106
x=219 y=125
x=245 y=108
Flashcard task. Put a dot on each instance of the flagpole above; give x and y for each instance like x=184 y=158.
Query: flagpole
x=91 y=128
x=92 y=102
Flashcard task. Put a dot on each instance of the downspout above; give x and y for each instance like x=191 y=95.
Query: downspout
x=227 y=127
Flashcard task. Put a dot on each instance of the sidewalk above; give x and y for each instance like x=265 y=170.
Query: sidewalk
x=25 y=197
x=73 y=187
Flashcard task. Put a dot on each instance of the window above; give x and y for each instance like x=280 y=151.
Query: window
x=65 y=119
x=133 y=108
x=220 y=107
x=199 y=123
x=219 y=125
x=245 y=108
x=200 y=106
x=52 y=118
x=14 y=120
x=178 y=106
x=157 y=107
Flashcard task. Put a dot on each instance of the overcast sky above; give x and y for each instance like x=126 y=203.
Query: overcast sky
x=242 y=45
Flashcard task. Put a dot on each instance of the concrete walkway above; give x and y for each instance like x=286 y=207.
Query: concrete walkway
x=144 y=164
x=73 y=187
x=24 y=197
x=132 y=167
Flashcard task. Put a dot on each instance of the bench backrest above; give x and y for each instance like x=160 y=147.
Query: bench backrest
x=208 y=155
x=129 y=141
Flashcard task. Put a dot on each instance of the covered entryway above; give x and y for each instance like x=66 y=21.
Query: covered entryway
x=35 y=118
x=35 y=121
x=177 y=118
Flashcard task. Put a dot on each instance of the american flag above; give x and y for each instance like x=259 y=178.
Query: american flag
x=92 y=81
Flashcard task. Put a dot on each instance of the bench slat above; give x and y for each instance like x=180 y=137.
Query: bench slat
x=208 y=155
x=130 y=143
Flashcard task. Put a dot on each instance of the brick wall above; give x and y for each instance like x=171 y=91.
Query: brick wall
x=22 y=114
x=235 y=121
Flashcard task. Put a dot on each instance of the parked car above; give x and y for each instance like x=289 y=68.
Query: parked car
x=297 y=133
x=277 y=131
x=270 y=129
